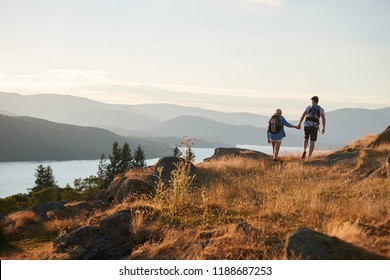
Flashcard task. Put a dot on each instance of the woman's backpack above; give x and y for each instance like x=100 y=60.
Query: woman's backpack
x=274 y=125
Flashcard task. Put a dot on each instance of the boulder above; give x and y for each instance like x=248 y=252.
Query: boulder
x=306 y=244
x=42 y=209
x=109 y=238
x=169 y=164
x=237 y=152
x=123 y=188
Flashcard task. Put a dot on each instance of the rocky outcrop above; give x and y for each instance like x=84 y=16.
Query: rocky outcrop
x=109 y=238
x=42 y=209
x=123 y=188
x=382 y=138
x=73 y=209
x=306 y=244
x=168 y=165
x=237 y=152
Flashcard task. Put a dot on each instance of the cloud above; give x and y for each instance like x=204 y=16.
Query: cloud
x=274 y=3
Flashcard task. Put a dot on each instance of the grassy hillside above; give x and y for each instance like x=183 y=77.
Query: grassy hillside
x=28 y=139
x=208 y=217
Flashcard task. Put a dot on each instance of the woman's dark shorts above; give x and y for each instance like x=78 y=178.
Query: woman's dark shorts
x=311 y=132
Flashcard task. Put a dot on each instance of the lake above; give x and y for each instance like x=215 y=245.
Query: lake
x=16 y=177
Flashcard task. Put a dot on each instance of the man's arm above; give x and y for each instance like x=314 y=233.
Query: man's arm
x=301 y=120
x=323 y=123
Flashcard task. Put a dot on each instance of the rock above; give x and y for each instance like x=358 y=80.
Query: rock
x=42 y=209
x=123 y=188
x=237 y=152
x=382 y=138
x=169 y=164
x=109 y=238
x=306 y=244
x=73 y=209
x=388 y=166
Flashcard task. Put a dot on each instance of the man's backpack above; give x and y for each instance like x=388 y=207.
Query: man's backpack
x=314 y=114
x=274 y=125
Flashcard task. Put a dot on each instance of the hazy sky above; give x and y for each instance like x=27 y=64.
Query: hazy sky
x=231 y=55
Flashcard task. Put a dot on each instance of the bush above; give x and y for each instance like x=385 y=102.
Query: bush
x=90 y=194
x=8 y=204
x=48 y=194
x=70 y=194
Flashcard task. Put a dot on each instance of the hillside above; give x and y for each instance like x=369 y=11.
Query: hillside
x=165 y=112
x=30 y=139
x=238 y=206
x=351 y=124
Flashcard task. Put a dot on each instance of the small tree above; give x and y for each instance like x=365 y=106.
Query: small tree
x=139 y=158
x=126 y=160
x=102 y=173
x=115 y=160
x=176 y=152
x=44 y=178
x=187 y=143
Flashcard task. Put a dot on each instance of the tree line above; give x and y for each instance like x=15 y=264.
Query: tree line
x=46 y=188
x=119 y=161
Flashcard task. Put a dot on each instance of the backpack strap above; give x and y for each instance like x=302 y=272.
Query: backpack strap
x=314 y=119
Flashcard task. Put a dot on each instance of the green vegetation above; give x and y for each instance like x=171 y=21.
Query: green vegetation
x=139 y=158
x=44 y=179
x=46 y=188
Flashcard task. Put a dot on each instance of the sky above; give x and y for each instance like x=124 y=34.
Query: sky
x=228 y=55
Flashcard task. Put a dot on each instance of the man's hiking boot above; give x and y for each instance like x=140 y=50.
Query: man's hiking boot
x=304 y=155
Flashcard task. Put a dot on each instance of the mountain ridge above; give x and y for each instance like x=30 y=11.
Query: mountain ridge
x=152 y=120
x=30 y=139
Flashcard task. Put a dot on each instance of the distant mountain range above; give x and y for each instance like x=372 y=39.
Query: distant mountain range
x=32 y=139
x=165 y=123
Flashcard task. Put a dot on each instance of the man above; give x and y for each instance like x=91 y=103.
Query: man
x=313 y=114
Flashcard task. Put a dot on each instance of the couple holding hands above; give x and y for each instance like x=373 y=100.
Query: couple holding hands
x=312 y=116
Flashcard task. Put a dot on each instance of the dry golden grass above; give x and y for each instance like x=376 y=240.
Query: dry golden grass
x=20 y=219
x=275 y=200
x=200 y=222
x=62 y=226
x=363 y=142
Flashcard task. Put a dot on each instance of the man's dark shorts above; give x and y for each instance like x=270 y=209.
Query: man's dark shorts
x=311 y=132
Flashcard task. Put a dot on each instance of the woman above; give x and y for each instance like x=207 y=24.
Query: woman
x=276 y=132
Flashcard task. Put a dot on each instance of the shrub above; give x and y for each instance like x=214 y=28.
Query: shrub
x=8 y=204
x=181 y=182
x=48 y=194
x=70 y=194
